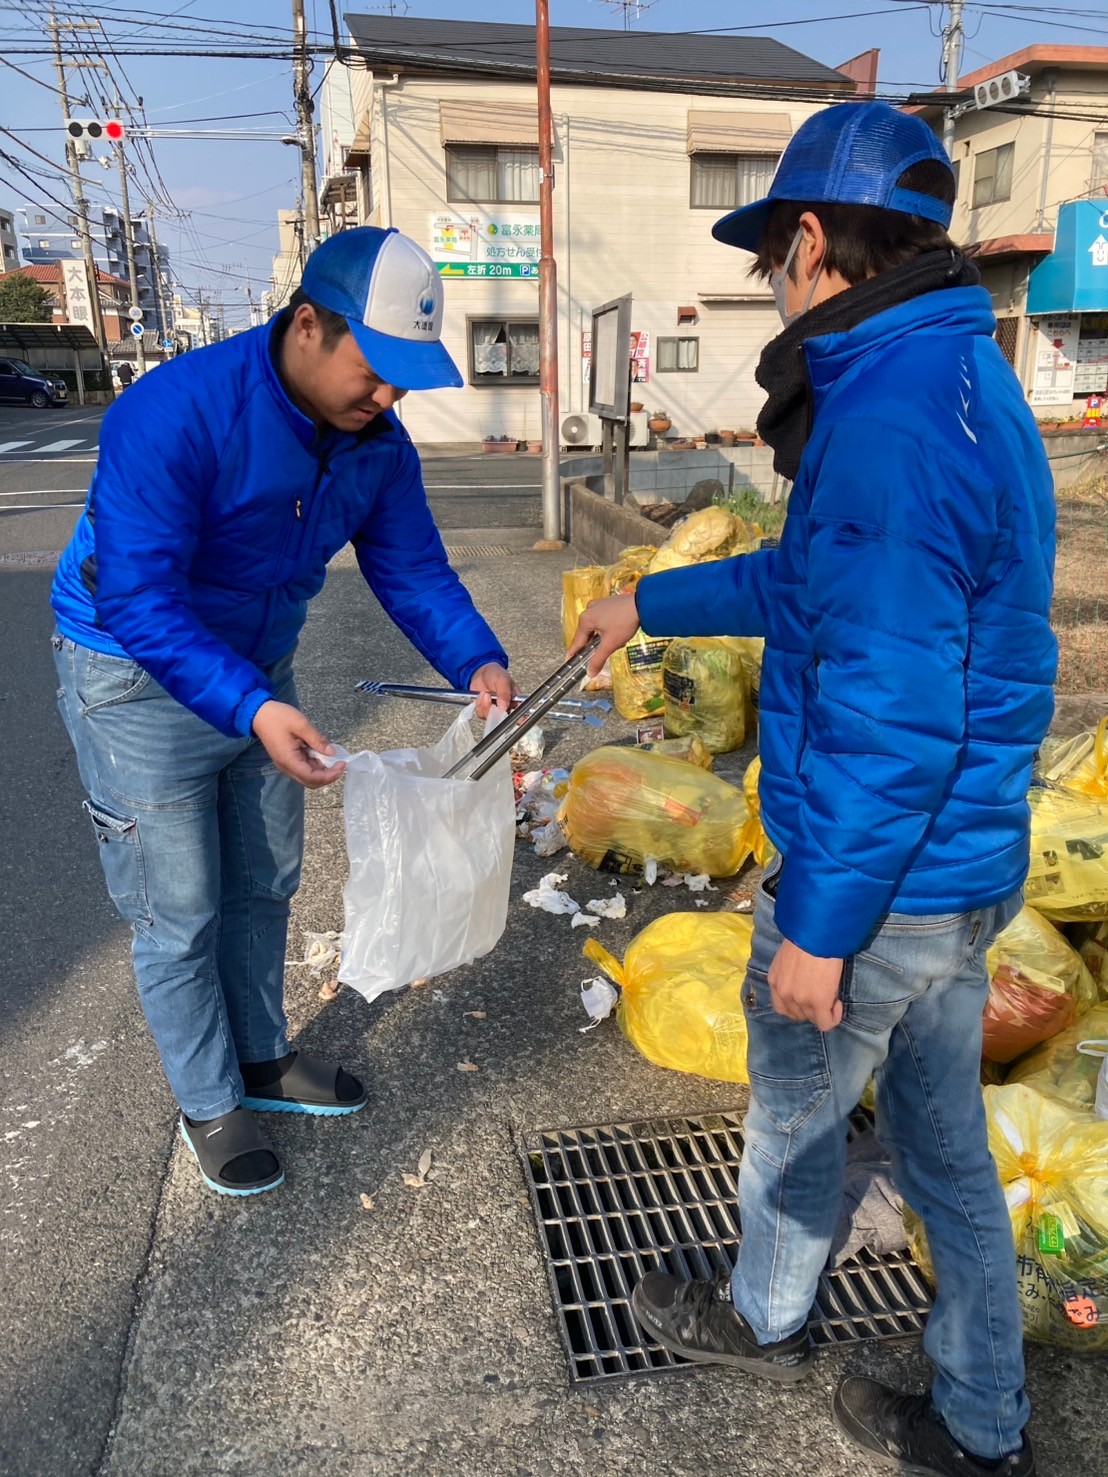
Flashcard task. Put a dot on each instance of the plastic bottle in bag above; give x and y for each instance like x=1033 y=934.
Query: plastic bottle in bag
x=1038 y=985
x=624 y=806
x=682 y=988
x=1067 y=879
x=1059 y=1069
x=1078 y=764
x=636 y=667
x=704 y=684
x=688 y=748
x=1053 y=1166
x=706 y=535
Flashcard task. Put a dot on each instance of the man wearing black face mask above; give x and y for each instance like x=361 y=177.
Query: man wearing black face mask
x=907 y=684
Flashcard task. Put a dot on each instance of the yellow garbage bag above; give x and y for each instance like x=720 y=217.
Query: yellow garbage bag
x=704 y=685
x=761 y=847
x=1059 y=1070
x=580 y=586
x=636 y=668
x=1079 y=764
x=751 y=649
x=688 y=748
x=682 y=992
x=711 y=533
x=1053 y=1166
x=1038 y=985
x=1068 y=877
x=1094 y=954
x=631 y=563
x=624 y=807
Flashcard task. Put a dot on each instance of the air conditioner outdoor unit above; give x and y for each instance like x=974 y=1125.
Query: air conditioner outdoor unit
x=640 y=428
x=582 y=430
x=1003 y=89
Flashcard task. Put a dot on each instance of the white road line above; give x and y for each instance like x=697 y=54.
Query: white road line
x=36 y=507
x=46 y=492
x=486 y=489
x=12 y=445
x=61 y=445
x=54 y=461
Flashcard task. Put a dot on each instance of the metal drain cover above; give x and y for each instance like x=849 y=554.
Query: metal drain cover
x=476 y=551
x=615 y=1202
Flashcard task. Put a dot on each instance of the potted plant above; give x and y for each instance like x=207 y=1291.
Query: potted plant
x=659 y=422
x=745 y=438
x=499 y=444
x=711 y=438
x=535 y=447
x=727 y=438
x=636 y=407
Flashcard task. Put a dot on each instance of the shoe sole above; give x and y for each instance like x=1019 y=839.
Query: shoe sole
x=226 y=1189
x=316 y=1110
x=783 y=1374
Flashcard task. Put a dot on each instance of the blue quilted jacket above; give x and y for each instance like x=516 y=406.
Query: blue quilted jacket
x=212 y=513
x=909 y=660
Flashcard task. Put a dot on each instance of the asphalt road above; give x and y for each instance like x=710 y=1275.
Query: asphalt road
x=84 y=1129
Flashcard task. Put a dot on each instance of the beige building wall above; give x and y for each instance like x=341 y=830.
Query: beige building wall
x=623 y=223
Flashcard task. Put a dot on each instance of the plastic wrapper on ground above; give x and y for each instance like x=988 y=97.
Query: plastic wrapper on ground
x=704 y=685
x=1068 y=876
x=1058 y=1069
x=625 y=806
x=682 y=987
x=690 y=748
x=1053 y=1165
x=1077 y=764
x=1038 y=985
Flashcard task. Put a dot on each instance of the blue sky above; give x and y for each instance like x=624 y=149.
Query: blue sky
x=232 y=190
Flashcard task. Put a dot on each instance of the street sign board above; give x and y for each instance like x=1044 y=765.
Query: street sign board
x=137 y=330
x=167 y=343
x=135 y=314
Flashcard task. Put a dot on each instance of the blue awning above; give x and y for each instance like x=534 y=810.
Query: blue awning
x=1074 y=277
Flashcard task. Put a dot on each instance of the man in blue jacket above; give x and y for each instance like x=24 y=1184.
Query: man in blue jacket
x=908 y=680
x=224 y=485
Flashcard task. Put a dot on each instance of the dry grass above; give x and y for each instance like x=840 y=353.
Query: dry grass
x=1080 y=613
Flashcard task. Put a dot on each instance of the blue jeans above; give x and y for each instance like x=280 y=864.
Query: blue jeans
x=201 y=840
x=912 y=1005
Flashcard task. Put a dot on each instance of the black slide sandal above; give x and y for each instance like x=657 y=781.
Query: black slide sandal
x=303 y=1084
x=218 y=1142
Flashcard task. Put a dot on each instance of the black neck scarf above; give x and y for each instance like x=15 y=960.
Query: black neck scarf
x=786 y=419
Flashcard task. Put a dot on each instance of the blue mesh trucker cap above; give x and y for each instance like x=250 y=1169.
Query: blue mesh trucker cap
x=850 y=154
x=389 y=292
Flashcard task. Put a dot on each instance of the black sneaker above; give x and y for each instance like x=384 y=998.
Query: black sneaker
x=905 y=1432
x=699 y=1321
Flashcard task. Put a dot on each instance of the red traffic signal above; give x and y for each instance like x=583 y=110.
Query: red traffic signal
x=94 y=128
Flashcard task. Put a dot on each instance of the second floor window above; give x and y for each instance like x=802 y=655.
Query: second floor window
x=992 y=175
x=725 y=181
x=492 y=174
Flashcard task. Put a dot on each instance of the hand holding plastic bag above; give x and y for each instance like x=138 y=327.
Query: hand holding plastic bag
x=430 y=863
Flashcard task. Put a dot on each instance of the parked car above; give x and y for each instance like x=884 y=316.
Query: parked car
x=20 y=381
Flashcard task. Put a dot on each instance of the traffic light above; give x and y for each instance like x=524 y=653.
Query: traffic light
x=95 y=128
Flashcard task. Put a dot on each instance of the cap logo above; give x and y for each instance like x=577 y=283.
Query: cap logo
x=427 y=304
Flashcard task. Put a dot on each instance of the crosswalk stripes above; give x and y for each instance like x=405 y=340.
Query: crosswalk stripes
x=74 y=448
x=12 y=445
x=60 y=446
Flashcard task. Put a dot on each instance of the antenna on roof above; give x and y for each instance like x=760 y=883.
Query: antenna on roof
x=632 y=9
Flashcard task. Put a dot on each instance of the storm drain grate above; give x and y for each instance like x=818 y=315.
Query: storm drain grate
x=615 y=1202
x=476 y=551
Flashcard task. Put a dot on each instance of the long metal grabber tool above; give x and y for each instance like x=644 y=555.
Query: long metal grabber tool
x=496 y=744
x=459 y=696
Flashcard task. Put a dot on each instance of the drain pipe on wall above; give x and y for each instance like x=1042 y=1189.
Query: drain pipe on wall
x=1051 y=80
x=386 y=183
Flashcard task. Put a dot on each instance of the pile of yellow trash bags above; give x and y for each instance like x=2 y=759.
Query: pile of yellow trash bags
x=707 y=686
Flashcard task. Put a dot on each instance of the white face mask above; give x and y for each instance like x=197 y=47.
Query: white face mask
x=777 y=284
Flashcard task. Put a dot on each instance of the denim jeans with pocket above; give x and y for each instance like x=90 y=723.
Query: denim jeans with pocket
x=912 y=1005
x=201 y=840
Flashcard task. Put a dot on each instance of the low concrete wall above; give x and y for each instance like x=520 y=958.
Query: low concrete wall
x=599 y=528
x=1076 y=454
x=659 y=476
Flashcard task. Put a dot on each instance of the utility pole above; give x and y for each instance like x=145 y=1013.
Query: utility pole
x=953 y=36
x=165 y=326
x=77 y=185
x=548 y=296
x=129 y=243
x=301 y=69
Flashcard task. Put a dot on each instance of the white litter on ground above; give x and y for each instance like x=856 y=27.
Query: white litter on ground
x=608 y=907
x=585 y=920
x=547 y=897
x=650 y=871
x=321 y=950
x=599 y=999
x=699 y=882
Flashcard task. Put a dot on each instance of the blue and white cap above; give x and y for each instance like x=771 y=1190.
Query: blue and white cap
x=387 y=289
x=851 y=154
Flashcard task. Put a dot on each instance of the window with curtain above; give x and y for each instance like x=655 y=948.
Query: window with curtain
x=488 y=174
x=992 y=175
x=678 y=354
x=504 y=351
x=726 y=181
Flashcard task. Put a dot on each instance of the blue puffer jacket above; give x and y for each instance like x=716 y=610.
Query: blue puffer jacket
x=909 y=660
x=212 y=513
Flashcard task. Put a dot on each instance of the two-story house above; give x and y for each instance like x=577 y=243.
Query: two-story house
x=1033 y=201
x=655 y=136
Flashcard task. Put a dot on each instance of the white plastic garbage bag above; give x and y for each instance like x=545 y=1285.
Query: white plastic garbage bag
x=430 y=863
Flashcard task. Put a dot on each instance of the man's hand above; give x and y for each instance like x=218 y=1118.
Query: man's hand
x=287 y=737
x=491 y=683
x=805 y=987
x=615 y=620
